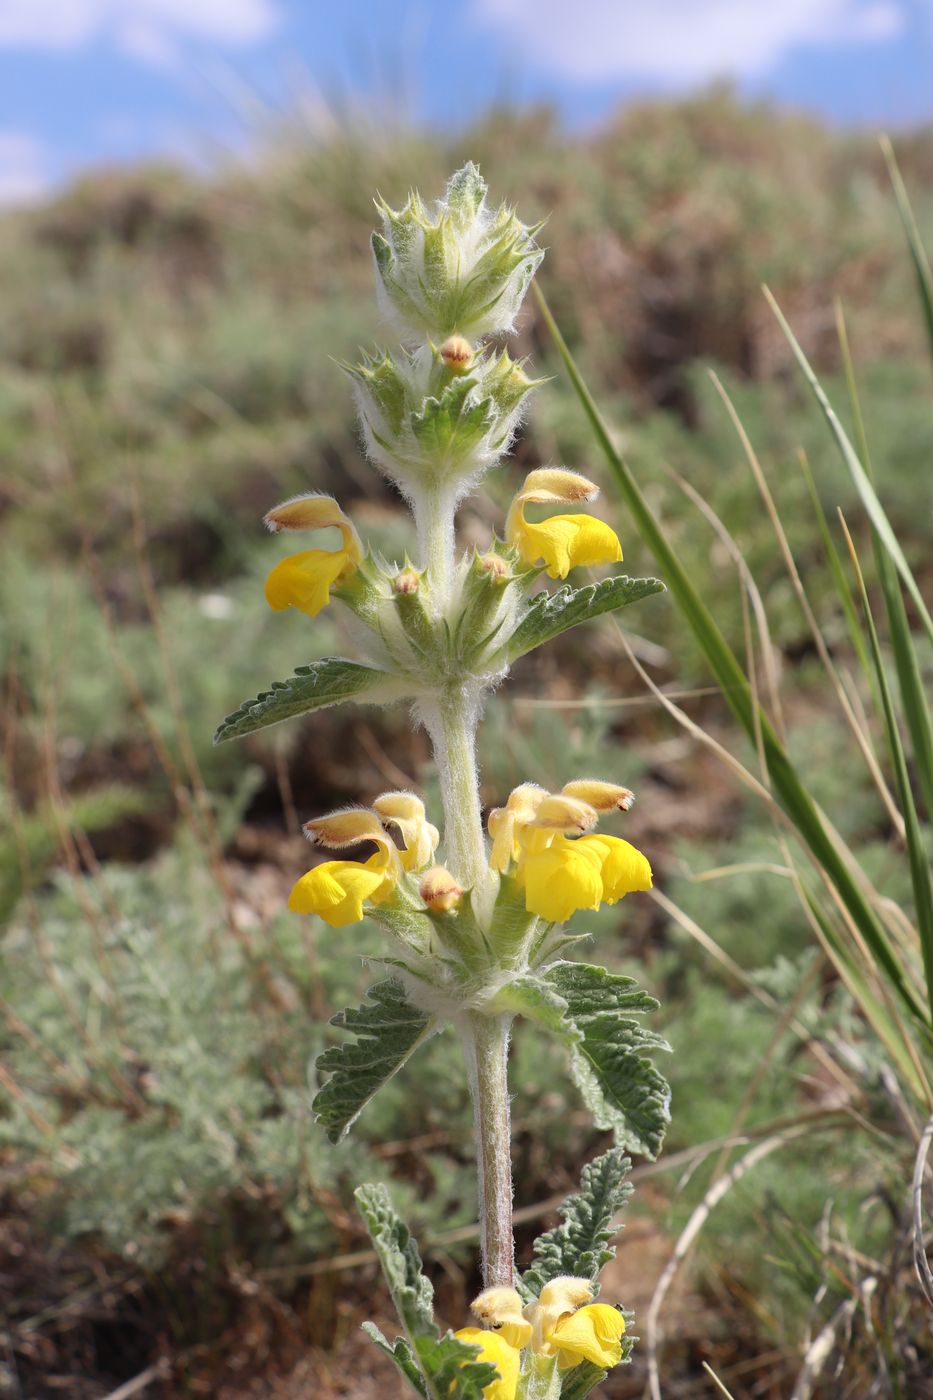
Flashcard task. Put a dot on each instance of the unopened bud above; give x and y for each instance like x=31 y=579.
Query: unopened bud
x=439 y=890
x=605 y=797
x=494 y=565
x=457 y=353
x=408 y=581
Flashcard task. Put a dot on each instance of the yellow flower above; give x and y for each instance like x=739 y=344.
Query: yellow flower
x=338 y=889
x=304 y=580
x=507 y=823
x=406 y=811
x=593 y=1333
x=501 y=1308
x=562 y=1328
x=582 y=874
x=563 y=542
x=563 y=878
x=624 y=868
x=496 y=1350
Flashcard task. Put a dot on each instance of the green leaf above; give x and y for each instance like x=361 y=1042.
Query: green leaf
x=915 y=246
x=549 y=614
x=535 y=999
x=610 y=1066
x=451 y=1368
x=577 y=1384
x=398 y=1254
x=401 y=1353
x=579 y=1245
x=313 y=687
x=388 y=1029
x=919 y=865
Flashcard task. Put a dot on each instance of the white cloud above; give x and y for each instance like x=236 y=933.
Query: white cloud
x=23 y=174
x=149 y=30
x=679 y=41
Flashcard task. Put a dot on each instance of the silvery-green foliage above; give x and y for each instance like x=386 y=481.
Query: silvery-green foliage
x=426 y=423
x=463 y=269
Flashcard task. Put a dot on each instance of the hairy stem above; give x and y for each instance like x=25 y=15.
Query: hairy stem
x=434 y=518
x=451 y=722
x=486 y=1049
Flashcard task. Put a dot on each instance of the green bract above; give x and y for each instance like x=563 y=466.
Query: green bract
x=424 y=422
x=463 y=270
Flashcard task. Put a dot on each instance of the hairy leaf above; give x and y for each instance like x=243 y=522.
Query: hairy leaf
x=398 y=1254
x=451 y=1368
x=388 y=1028
x=621 y=1087
x=549 y=614
x=402 y=1354
x=312 y=687
x=579 y=1245
x=577 y=1384
x=537 y=1000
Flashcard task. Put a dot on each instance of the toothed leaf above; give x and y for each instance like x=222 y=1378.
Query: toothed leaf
x=451 y=1368
x=398 y=1254
x=388 y=1029
x=312 y=687
x=610 y=1066
x=579 y=1246
x=402 y=1354
x=549 y=614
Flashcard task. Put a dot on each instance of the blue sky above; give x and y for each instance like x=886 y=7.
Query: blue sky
x=91 y=81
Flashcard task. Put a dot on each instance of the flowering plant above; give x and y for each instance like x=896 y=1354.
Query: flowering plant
x=478 y=936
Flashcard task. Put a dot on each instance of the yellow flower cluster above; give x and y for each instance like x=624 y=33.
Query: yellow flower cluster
x=338 y=889
x=562 y=1323
x=562 y=542
x=560 y=868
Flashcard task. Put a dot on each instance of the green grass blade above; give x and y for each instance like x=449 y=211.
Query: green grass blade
x=874 y=508
x=890 y=1033
x=919 y=866
x=913 y=697
x=914 y=242
x=838 y=573
x=790 y=791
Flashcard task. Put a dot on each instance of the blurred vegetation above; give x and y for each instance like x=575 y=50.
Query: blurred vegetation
x=168 y=371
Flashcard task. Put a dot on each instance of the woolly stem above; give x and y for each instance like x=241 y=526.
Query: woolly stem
x=434 y=509
x=486 y=1051
x=451 y=722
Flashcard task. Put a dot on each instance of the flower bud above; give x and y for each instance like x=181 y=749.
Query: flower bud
x=439 y=890
x=457 y=353
x=495 y=566
x=407 y=581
